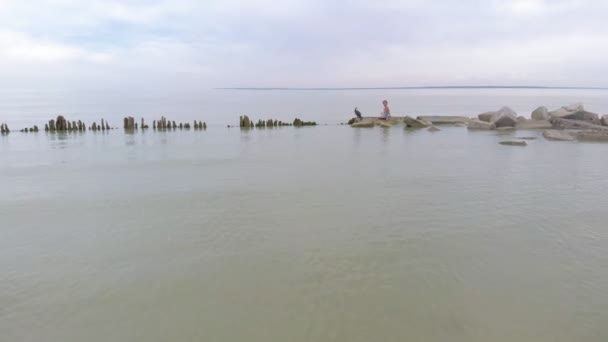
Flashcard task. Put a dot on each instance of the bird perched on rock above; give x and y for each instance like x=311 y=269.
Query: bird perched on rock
x=358 y=113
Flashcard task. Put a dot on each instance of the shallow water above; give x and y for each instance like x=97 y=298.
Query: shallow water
x=315 y=234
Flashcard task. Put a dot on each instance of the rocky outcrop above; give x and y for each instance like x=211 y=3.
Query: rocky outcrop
x=540 y=113
x=365 y=123
x=558 y=135
x=415 y=123
x=577 y=124
x=480 y=125
x=597 y=136
x=533 y=124
x=575 y=112
x=513 y=143
x=444 y=120
x=504 y=117
x=485 y=117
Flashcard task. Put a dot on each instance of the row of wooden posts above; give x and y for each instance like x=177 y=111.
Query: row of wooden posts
x=162 y=124
x=60 y=124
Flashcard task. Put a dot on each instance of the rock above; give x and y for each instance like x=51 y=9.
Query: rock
x=366 y=123
x=605 y=120
x=485 y=117
x=505 y=129
x=514 y=143
x=444 y=120
x=384 y=124
x=480 y=125
x=52 y=125
x=415 y=123
x=175 y=126
x=575 y=112
x=35 y=128
x=143 y=123
x=534 y=124
x=567 y=110
x=433 y=129
x=154 y=124
x=593 y=136
x=504 y=117
x=352 y=121
x=46 y=127
x=576 y=124
x=526 y=138
x=69 y=128
x=204 y=125
x=557 y=135
x=540 y=113
x=108 y=126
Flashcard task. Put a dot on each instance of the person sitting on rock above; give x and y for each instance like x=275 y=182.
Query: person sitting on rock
x=386 y=112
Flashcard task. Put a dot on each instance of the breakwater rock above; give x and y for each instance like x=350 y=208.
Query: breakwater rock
x=504 y=117
x=415 y=123
x=4 y=129
x=558 y=135
x=299 y=123
x=480 y=125
x=540 y=113
x=577 y=124
x=444 y=120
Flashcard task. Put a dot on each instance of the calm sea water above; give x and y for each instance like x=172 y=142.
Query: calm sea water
x=314 y=234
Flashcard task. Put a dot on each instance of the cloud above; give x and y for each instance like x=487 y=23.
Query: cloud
x=304 y=43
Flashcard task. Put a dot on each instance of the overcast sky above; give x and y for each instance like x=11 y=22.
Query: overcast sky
x=188 y=44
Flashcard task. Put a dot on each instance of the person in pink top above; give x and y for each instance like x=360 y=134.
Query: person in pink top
x=386 y=112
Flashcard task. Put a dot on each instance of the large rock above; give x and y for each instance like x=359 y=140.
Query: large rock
x=504 y=117
x=365 y=123
x=567 y=110
x=444 y=120
x=593 y=136
x=384 y=124
x=558 y=135
x=485 y=117
x=540 y=113
x=433 y=129
x=415 y=123
x=575 y=112
x=533 y=124
x=605 y=120
x=480 y=125
x=577 y=124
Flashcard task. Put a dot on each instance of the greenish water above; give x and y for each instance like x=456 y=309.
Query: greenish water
x=314 y=234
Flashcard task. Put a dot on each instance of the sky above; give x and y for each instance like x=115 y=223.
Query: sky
x=187 y=44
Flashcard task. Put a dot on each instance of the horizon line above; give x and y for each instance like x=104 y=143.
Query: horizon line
x=414 y=88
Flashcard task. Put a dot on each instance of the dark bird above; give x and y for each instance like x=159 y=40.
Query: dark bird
x=358 y=113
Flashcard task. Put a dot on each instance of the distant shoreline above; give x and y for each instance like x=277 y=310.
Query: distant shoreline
x=410 y=88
